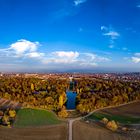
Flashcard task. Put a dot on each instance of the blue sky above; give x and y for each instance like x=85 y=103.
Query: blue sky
x=70 y=35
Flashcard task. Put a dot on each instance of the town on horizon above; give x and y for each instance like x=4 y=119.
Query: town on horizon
x=133 y=76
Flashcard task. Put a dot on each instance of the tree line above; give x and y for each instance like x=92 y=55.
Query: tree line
x=33 y=92
x=99 y=93
x=51 y=93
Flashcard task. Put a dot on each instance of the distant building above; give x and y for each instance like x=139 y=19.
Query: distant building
x=71 y=78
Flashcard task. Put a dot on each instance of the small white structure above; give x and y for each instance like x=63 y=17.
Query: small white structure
x=71 y=78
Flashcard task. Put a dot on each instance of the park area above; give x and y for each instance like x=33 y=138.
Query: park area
x=28 y=117
x=32 y=124
x=35 y=124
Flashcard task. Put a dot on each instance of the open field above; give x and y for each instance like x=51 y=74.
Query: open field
x=53 y=132
x=35 y=117
x=127 y=114
x=84 y=131
x=4 y=103
x=132 y=109
x=119 y=118
x=92 y=130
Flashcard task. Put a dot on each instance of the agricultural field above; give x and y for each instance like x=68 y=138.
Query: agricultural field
x=127 y=114
x=34 y=117
x=132 y=110
x=118 y=118
x=87 y=131
x=51 y=132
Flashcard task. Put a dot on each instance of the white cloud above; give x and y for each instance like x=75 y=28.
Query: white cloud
x=58 y=61
x=96 y=58
x=22 y=46
x=91 y=59
x=135 y=59
x=69 y=55
x=35 y=55
x=112 y=34
x=104 y=28
x=77 y=2
x=22 y=49
x=137 y=54
x=87 y=64
x=65 y=57
x=27 y=52
x=91 y=56
x=74 y=59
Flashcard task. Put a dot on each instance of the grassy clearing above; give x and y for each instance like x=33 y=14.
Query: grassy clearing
x=120 y=119
x=34 y=117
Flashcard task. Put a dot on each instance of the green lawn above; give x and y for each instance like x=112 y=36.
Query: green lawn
x=120 y=119
x=34 y=117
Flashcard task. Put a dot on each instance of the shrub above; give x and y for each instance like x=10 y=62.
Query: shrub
x=112 y=125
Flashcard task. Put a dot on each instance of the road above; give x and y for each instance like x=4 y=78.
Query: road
x=70 y=126
x=70 y=121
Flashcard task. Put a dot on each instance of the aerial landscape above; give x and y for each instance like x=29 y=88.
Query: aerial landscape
x=69 y=70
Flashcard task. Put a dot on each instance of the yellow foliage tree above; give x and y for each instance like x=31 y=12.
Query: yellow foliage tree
x=112 y=125
x=12 y=113
x=7 y=96
x=32 y=86
x=61 y=101
x=5 y=120
x=63 y=113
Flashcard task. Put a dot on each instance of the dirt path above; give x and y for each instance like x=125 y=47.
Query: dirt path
x=70 y=122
